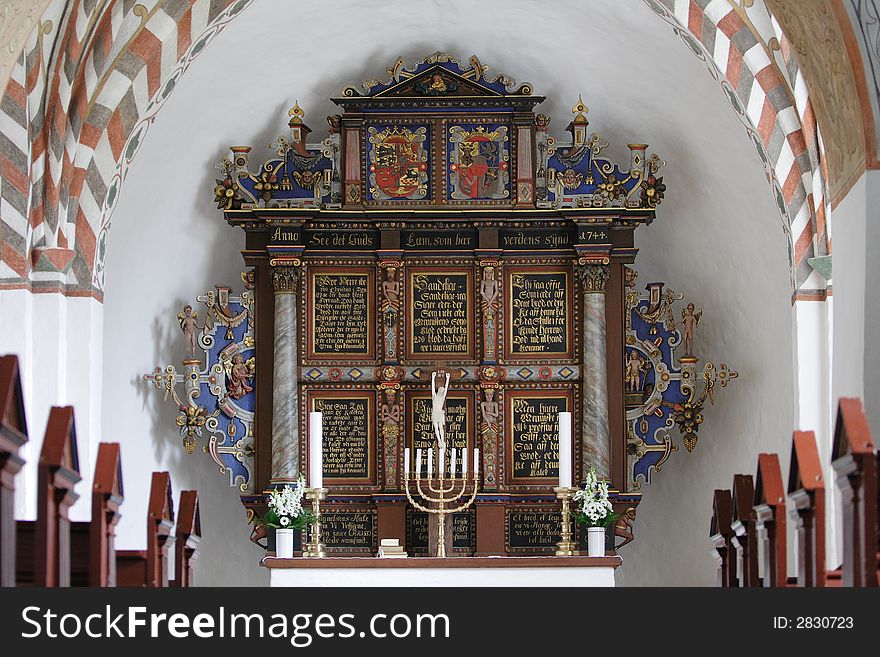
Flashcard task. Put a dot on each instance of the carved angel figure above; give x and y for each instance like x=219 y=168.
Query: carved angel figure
x=189 y=324
x=690 y=317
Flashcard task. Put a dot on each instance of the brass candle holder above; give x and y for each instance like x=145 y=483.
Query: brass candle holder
x=315 y=547
x=566 y=546
x=443 y=491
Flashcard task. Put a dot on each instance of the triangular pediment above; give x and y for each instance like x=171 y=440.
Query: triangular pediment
x=12 y=417
x=437 y=82
x=108 y=470
x=768 y=480
x=59 y=448
x=852 y=435
x=805 y=471
x=161 y=501
x=721 y=513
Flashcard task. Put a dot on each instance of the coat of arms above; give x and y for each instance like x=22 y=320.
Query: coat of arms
x=398 y=163
x=478 y=163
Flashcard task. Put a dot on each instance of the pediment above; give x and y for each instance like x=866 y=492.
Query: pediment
x=437 y=82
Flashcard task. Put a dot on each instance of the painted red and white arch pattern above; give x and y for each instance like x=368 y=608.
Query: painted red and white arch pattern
x=95 y=72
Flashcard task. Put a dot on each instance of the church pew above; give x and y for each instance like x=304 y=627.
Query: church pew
x=745 y=540
x=855 y=470
x=769 y=505
x=187 y=536
x=92 y=544
x=149 y=568
x=13 y=435
x=806 y=489
x=43 y=545
x=721 y=535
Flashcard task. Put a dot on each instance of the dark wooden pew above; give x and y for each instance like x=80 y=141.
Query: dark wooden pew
x=721 y=535
x=149 y=568
x=13 y=434
x=187 y=536
x=855 y=470
x=806 y=489
x=43 y=545
x=745 y=539
x=770 y=520
x=92 y=544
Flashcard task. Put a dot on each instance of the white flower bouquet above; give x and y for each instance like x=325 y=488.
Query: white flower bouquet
x=285 y=508
x=592 y=508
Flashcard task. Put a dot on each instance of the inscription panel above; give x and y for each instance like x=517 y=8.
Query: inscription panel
x=532 y=529
x=459 y=425
x=440 y=313
x=533 y=435
x=463 y=528
x=341 y=307
x=351 y=531
x=539 y=304
x=349 y=435
x=528 y=239
x=439 y=240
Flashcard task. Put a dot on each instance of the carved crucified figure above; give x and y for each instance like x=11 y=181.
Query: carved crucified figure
x=438 y=403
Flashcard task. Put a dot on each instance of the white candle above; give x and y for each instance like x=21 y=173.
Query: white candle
x=452 y=464
x=430 y=462
x=418 y=461
x=476 y=460
x=316 y=449
x=565 y=450
x=406 y=461
x=463 y=462
x=441 y=462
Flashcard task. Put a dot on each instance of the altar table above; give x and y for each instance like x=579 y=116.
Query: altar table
x=452 y=571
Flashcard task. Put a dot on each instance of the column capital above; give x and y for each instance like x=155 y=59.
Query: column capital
x=285 y=278
x=594 y=274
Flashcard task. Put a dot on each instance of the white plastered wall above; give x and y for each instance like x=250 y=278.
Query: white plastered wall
x=59 y=342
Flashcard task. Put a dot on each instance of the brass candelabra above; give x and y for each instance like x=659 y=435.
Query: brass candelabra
x=566 y=546
x=442 y=496
x=315 y=546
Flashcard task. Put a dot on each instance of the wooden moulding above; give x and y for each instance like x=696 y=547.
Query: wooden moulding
x=149 y=568
x=187 y=536
x=745 y=539
x=44 y=545
x=721 y=535
x=93 y=551
x=770 y=521
x=855 y=469
x=806 y=489
x=13 y=435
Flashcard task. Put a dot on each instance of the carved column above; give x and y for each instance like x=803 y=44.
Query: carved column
x=595 y=435
x=285 y=391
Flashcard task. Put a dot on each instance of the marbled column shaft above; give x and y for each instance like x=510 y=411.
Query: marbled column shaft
x=285 y=393
x=595 y=441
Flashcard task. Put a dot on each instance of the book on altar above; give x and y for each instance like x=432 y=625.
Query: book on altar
x=390 y=548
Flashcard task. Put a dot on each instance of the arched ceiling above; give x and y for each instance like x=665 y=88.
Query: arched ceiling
x=717 y=236
x=97 y=68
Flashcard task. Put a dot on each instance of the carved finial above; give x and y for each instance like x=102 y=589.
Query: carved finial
x=579 y=110
x=296 y=114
